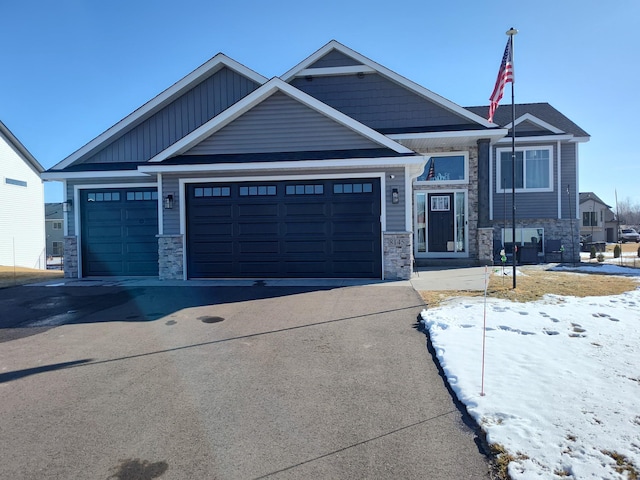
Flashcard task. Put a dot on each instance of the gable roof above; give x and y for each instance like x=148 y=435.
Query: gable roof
x=22 y=150
x=586 y=196
x=542 y=114
x=163 y=99
x=361 y=64
x=258 y=96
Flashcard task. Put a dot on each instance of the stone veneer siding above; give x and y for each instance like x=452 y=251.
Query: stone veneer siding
x=170 y=257
x=397 y=255
x=485 y=246
x=71 y=257
x=553 y=229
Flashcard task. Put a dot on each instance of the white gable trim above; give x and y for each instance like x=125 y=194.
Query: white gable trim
x=206 y=70
x=384 y=71
x=91 y=174
x=256 y=97
x=535 y=120
x=538 y=139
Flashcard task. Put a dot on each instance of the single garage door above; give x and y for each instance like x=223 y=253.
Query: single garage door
x=119 y=228
x=327 y=228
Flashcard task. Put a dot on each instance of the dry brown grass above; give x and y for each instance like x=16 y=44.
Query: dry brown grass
x=535 y=283
x=11 y=277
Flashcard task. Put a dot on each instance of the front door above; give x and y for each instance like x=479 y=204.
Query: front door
x=441 y=220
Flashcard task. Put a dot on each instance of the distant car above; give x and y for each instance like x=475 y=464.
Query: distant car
x=629 y=235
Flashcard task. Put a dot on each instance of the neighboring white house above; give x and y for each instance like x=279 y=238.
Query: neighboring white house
x=22 y=236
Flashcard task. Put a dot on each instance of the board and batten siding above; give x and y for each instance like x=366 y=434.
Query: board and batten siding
x=281 y=124
x=22 y=225
x=378 y=102
x=334 y=59
x=179 y=118
x=568 y=170
x=100 y=183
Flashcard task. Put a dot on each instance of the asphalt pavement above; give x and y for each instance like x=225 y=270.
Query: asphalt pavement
x=126 y=381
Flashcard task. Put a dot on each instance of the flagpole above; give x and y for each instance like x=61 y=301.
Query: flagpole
x=511 y=32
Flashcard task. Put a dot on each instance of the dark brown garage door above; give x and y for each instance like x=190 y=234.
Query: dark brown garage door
x=312 y=229
x=119 y=228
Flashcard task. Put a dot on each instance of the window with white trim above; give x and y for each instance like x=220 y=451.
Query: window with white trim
x=446 y=168
x=534 y=169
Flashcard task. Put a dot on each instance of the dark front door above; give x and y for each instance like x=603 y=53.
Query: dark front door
x=286 y=229
x=119 y=228
x=441 y=222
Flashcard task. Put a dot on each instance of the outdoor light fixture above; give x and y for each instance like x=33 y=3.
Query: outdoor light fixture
x=168 y=202
x=66 y=206
x=392 y=176
x=395 y=198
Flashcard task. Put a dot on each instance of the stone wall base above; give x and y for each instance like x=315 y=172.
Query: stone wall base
x=398 y=255
x=170 y=257
x=485 y=246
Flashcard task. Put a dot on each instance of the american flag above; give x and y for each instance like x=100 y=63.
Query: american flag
x=505 y=75
x=431 y=174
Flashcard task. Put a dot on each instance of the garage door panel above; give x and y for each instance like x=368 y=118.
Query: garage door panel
x=300 y=229
x=258 y=247
x=257 y=210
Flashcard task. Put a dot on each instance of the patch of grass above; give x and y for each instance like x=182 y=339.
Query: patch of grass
x=535 y=283
x=502 y=459
x=11 y=277
x=623 y=464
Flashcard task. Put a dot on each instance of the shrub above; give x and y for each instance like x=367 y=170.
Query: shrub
x=593 y=252
x=601 y=257
x=616 y=251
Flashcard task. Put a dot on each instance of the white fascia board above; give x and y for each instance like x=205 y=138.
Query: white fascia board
x=492 y=134
x=542 y=138
x=580 y=139
x=205 y=70
x=390 y=74
x=106 y=174
x=332 y=71
x=535 y=120
x=256 y=97
x=289 y=165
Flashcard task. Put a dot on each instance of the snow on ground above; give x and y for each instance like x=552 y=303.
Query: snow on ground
x=561 y=382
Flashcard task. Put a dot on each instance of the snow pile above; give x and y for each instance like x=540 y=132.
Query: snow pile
x=561 y=384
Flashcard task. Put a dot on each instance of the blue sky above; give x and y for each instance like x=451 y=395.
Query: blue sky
x=73 y=68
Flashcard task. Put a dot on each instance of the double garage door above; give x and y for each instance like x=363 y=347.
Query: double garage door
x=327 y=228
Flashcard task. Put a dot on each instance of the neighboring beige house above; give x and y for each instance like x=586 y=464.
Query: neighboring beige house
x=22 y=237
x=597 y=221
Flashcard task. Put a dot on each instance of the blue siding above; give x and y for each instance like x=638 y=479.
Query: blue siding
x=335 y=59
x=171 y=218
x=568 y=178
x=180 y=117
x=378 y=102
x=395 y=213
x=281 y=124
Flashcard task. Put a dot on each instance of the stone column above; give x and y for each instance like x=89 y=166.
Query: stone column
x=170 y=257
x=485 y=245
x=70 y=256
x=397 y=255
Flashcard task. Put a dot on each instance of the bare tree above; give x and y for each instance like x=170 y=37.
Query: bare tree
x=629 y=212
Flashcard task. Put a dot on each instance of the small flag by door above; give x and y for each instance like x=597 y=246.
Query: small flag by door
x=431 y=174
x=505 y=75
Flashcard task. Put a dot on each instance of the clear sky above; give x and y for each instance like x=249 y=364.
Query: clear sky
x=73 y=68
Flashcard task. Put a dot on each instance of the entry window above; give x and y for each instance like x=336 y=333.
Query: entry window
x=258 y=191
x=304 y=189
x=104 y=197
x=141 y=196
x=352 y=188
x=445 y=168
x=212 y=192
x=440 y=203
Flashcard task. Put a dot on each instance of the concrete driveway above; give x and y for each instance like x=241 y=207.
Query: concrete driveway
x=224 y=383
